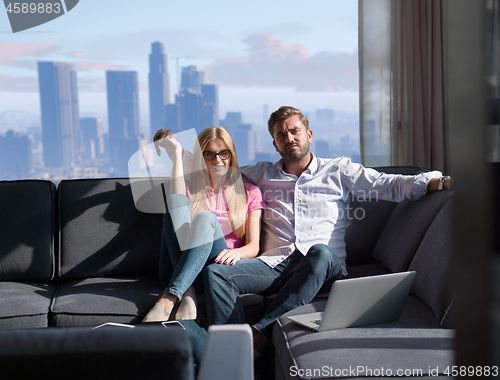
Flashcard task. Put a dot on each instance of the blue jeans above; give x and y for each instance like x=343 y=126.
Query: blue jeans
x=197 y=336
x=187 y=246
x=296 y=281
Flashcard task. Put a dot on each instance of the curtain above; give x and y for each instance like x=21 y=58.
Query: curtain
x=401 y=75
x=493 y=80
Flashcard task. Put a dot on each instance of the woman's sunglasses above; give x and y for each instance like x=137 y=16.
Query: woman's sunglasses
x=223 y=154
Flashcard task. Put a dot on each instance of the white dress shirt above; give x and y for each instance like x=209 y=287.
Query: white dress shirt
x=312 y=208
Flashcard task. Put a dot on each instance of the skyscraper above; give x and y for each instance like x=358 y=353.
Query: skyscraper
x=15 y=155
x=198 y=103
x=92 y=133
x=210 y=101
x=60 y=119
x=243 y=137
x=322 y=149
x=173 y=117
x=123 y=103
x=190 y=109
x=159 y=88
x=191 y=79
x=231 y=121
x=123 y=117
x=324 y=118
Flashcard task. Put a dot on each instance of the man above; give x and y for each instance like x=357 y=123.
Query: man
x=303 y=224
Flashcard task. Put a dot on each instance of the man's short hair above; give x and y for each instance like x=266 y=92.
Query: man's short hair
x=283 y=113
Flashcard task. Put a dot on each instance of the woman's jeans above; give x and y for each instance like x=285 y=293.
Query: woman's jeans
x=187 y=246
x=296 y=281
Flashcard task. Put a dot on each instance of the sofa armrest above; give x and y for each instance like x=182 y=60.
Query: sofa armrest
x=228 y=353
x=80 y=353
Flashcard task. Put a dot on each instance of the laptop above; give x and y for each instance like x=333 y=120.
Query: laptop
x=361 y=301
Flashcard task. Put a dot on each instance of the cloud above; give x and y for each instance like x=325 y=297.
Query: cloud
x=267 y=46
x=18 y=84
x=283 y=30
x=26 y=55
x=91 y=84
x=79 y=54
x=15 y=52
x=270 y=63
x=99 y=66
x=22 y=54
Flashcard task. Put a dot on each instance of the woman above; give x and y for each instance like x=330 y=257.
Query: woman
x=216 y=219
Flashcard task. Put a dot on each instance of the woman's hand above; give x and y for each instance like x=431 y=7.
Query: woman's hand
x=250 y=249
x=228 y=256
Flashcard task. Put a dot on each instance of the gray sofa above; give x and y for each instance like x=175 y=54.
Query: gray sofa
x=78 y=255
x=389 y=238
x=81 y=254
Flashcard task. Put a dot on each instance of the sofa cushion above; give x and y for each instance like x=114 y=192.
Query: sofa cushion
x=366 y=219
x=144 y=352
x=407 y=344
x=366 y=223
x=406 y=228
x=93 y=301
x=24 y=304
x=432 y=262
x=102 y=233
x=401 y=169
x=367 y=270
x=27 y=233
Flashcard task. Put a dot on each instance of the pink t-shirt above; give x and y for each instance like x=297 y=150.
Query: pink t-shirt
x=255 y=201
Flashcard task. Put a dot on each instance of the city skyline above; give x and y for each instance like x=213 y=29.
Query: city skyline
x=59 y=98
x=246 y=56
x=246 y=68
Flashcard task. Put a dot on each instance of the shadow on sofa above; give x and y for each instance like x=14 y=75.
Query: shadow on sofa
x=80 y=256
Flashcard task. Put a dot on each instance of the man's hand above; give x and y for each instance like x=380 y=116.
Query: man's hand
x=228 y=256
x=433 y=184
x=163 y=138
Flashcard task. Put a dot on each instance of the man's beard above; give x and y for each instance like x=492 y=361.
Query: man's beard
x=296 y=154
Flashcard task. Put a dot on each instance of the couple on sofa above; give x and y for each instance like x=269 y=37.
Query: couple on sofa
x=298 y=215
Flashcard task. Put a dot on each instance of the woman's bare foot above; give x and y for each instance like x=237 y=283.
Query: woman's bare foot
x=187 y=308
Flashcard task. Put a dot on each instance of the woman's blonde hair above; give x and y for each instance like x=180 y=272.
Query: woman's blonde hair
x=234 y=190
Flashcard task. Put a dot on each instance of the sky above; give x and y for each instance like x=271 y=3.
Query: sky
x=274 y=52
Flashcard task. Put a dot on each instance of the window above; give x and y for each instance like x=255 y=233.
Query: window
x=83 y=92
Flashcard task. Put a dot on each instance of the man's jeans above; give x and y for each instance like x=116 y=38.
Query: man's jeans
x=296 y=280
x=201 y=241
